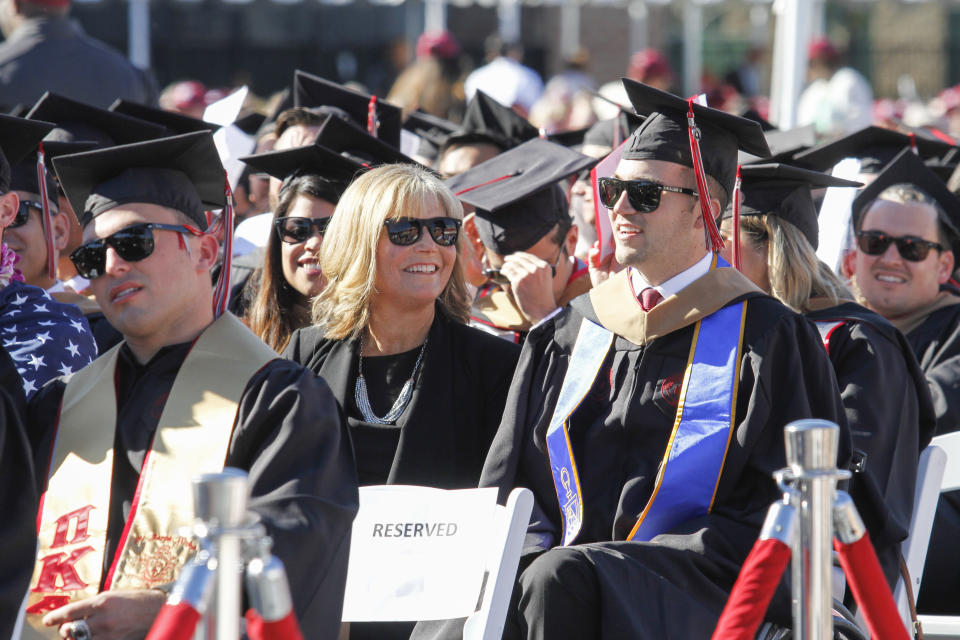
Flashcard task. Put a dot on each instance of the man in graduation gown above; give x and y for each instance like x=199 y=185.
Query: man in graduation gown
x=117 y=444
x=906 y=224
x=523 y=229
x=653 y=474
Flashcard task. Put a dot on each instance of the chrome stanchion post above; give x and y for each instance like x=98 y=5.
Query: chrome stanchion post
x=220 y=501
x=811 y=447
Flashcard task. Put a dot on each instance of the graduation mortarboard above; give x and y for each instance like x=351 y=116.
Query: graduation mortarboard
x=355 y=143
x=875 y=147
x=250 y=123
x=784 y=145
x=908 y=168
x=312 y=91
x=610 y=133
x=86 y=122
x=308 y=160
x=431 y=130
x=174 y=123
x=18 y=138
x=516 y=193
x=784 y=191
x=488 y=121
x=572 y=138
x=23 y=175
x=182 y=172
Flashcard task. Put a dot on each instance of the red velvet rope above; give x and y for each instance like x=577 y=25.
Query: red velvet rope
x=712 y=235
x=47 y=214
x=284 y=629
x=221 y=295
x=372 y=124
x=869 y=587
x=736 y=220
x=753 y=590
x=175 y=622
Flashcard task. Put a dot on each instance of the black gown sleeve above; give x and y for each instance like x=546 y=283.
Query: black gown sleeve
x=292 y=439
x=19 y=497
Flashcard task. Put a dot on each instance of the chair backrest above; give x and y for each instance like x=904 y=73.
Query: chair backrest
x=419 y=553
x=950 y=443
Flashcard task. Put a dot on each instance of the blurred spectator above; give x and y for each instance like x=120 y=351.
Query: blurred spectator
x=45 y=50
x=648 y=66
x=188 y=97
x=504 y=78
x=429 y=83
x=746 y=78
x=566 y=101
x=838 y=99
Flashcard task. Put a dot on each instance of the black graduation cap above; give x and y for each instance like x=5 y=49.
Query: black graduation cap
x=945 y=166
x=664 y=135
x=784 y=191
x=86 y=122
x=874 y=146
x=572 y=138
x=182 y=172
x=488 y=121
x=516 y=193
x=431 y=130
x=174 y=123
x=18 y=138
x=908 y=168
x=312 y=91
x=784 y=145
x=309 y=160
x=250 y=123
x=355 y=143
x=18 y=110
x=752 y=114
x=23 y=175
x=606 y=133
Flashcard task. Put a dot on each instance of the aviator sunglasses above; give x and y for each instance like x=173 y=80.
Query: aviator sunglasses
x=875 y=243
x=294 y=230
x=406 y=231
x=643 y=195
x=132 y=244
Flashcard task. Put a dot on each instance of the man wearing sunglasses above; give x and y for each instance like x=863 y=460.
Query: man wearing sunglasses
x=612 y=397
x=186 y=393
x=906 y=227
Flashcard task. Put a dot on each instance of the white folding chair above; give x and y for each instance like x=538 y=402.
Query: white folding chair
x=936 y=627
x=419 y=553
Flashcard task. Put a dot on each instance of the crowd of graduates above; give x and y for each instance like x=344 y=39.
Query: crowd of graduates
x=621 y=318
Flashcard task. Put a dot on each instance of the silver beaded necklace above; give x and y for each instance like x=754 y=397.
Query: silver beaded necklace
x=363 y=400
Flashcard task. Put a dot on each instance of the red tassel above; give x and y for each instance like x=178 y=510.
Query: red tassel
x=711 y=234
x=47 y=214
x=913 y=142
x=736 y=220
x=372 y=124
x=750 y=597
x=869 y=587
x=260 y=629
x=221 y=294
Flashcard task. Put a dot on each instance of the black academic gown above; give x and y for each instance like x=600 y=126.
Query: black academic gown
x=19 y=498
x=891 y=420
x=289 y=436
x=936 y=342
x=676 y=585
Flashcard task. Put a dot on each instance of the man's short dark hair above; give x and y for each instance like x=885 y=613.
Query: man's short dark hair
x=298 y=116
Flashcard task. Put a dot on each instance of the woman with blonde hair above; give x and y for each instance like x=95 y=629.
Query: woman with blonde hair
x=423 y=393
x=884 y=393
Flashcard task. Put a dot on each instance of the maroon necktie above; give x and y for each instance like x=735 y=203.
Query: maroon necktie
x=649 y=298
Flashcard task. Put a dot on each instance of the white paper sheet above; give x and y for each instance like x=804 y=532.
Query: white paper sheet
x=834 y=220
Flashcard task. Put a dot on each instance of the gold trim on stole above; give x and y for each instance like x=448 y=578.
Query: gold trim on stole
x=192 y=437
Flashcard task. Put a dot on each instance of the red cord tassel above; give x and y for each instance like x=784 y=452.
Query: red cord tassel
x=283 y=629
x=913 y=142
x=47 y=214
x=221 y=294
x=372 y=124
x=711 y=234
x=869 y=587
x=753 y=590
x=175 y=622
x=736 y=220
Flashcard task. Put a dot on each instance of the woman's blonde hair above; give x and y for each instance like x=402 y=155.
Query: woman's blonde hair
x=796 y=273
x=349 y=252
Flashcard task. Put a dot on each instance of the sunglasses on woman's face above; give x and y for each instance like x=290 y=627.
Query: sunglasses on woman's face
x=643 y=195
x=298 y=229
x=23 y=213
x=132 y=244
x=911 y=248
x=406 y=231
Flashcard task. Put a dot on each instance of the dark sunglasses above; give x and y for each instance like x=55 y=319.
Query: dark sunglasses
x=406 y=231
x=23 y=212
x=643 y=195
x=132 y=244
x=298 y=229
x=875 y=243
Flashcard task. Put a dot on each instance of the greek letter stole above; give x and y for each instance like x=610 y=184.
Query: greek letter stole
x=690 y=469
x=192 y=437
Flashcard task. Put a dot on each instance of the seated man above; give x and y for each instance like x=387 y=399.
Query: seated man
x=185 y=393
x=630 y=538
x=906 y=223
x=44 y=338
x=523 y=230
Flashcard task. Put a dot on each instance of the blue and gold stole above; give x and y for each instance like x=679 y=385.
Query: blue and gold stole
x=689 y=473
